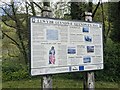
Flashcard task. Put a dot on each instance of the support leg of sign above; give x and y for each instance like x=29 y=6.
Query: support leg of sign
x=89 y=82
x=46 y=79
x=47 y=82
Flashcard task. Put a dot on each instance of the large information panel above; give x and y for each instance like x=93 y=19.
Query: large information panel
x=59 y=46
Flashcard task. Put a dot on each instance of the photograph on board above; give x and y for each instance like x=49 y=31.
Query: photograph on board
x=71 y=50
x=86 y=59
x=51 y=34
x=52 y=55
x=85 y=29
x=88 y=38
x=90 y=49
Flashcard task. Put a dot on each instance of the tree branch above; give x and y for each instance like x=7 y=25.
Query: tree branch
x=8 y=14
x=8 y=24
x=37 y=5
x=23 y=20
x=28 y=3
x=109 y=27
x=11 y=39
x=103 y=20
x=33 y=9
x=9 y=54
x=93 y=14
x=6 y=3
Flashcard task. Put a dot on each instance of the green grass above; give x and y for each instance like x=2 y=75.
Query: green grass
x=57 y=83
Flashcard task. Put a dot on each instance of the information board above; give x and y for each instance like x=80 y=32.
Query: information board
x=60 y=46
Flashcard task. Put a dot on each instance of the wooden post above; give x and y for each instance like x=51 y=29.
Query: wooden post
x=89 y=80
x=0 y=54
x=47 y=82
x=47 y=79
x=89 y=76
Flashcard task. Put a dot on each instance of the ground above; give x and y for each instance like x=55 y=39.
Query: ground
x=57 y=83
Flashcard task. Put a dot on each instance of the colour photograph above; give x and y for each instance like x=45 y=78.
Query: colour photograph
x=88 y=38
x=71 y=50
x=85 y=29
x=86 y=59
x=90 y=49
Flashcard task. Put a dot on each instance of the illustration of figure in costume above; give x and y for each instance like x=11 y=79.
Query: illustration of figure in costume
x=52 y=55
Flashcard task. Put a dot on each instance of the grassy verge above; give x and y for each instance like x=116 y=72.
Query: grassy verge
x=57 y=83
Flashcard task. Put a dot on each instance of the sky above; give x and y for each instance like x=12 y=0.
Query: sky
x=94 y=1
x=56 y=0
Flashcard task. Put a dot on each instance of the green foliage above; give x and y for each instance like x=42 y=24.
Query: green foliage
x=77 y=10
x=111 y=71
x=14 y=71
x=114 y=14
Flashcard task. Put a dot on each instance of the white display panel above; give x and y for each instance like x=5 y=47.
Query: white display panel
x=59 y=46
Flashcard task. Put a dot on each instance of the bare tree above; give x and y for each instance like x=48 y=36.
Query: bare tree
x=19 y=22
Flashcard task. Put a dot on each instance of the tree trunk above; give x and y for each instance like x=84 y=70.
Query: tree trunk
x=103 y=21
x=18 y=29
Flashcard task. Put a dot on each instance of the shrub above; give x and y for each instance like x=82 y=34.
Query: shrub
x=111 y=71
x=11 y=71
